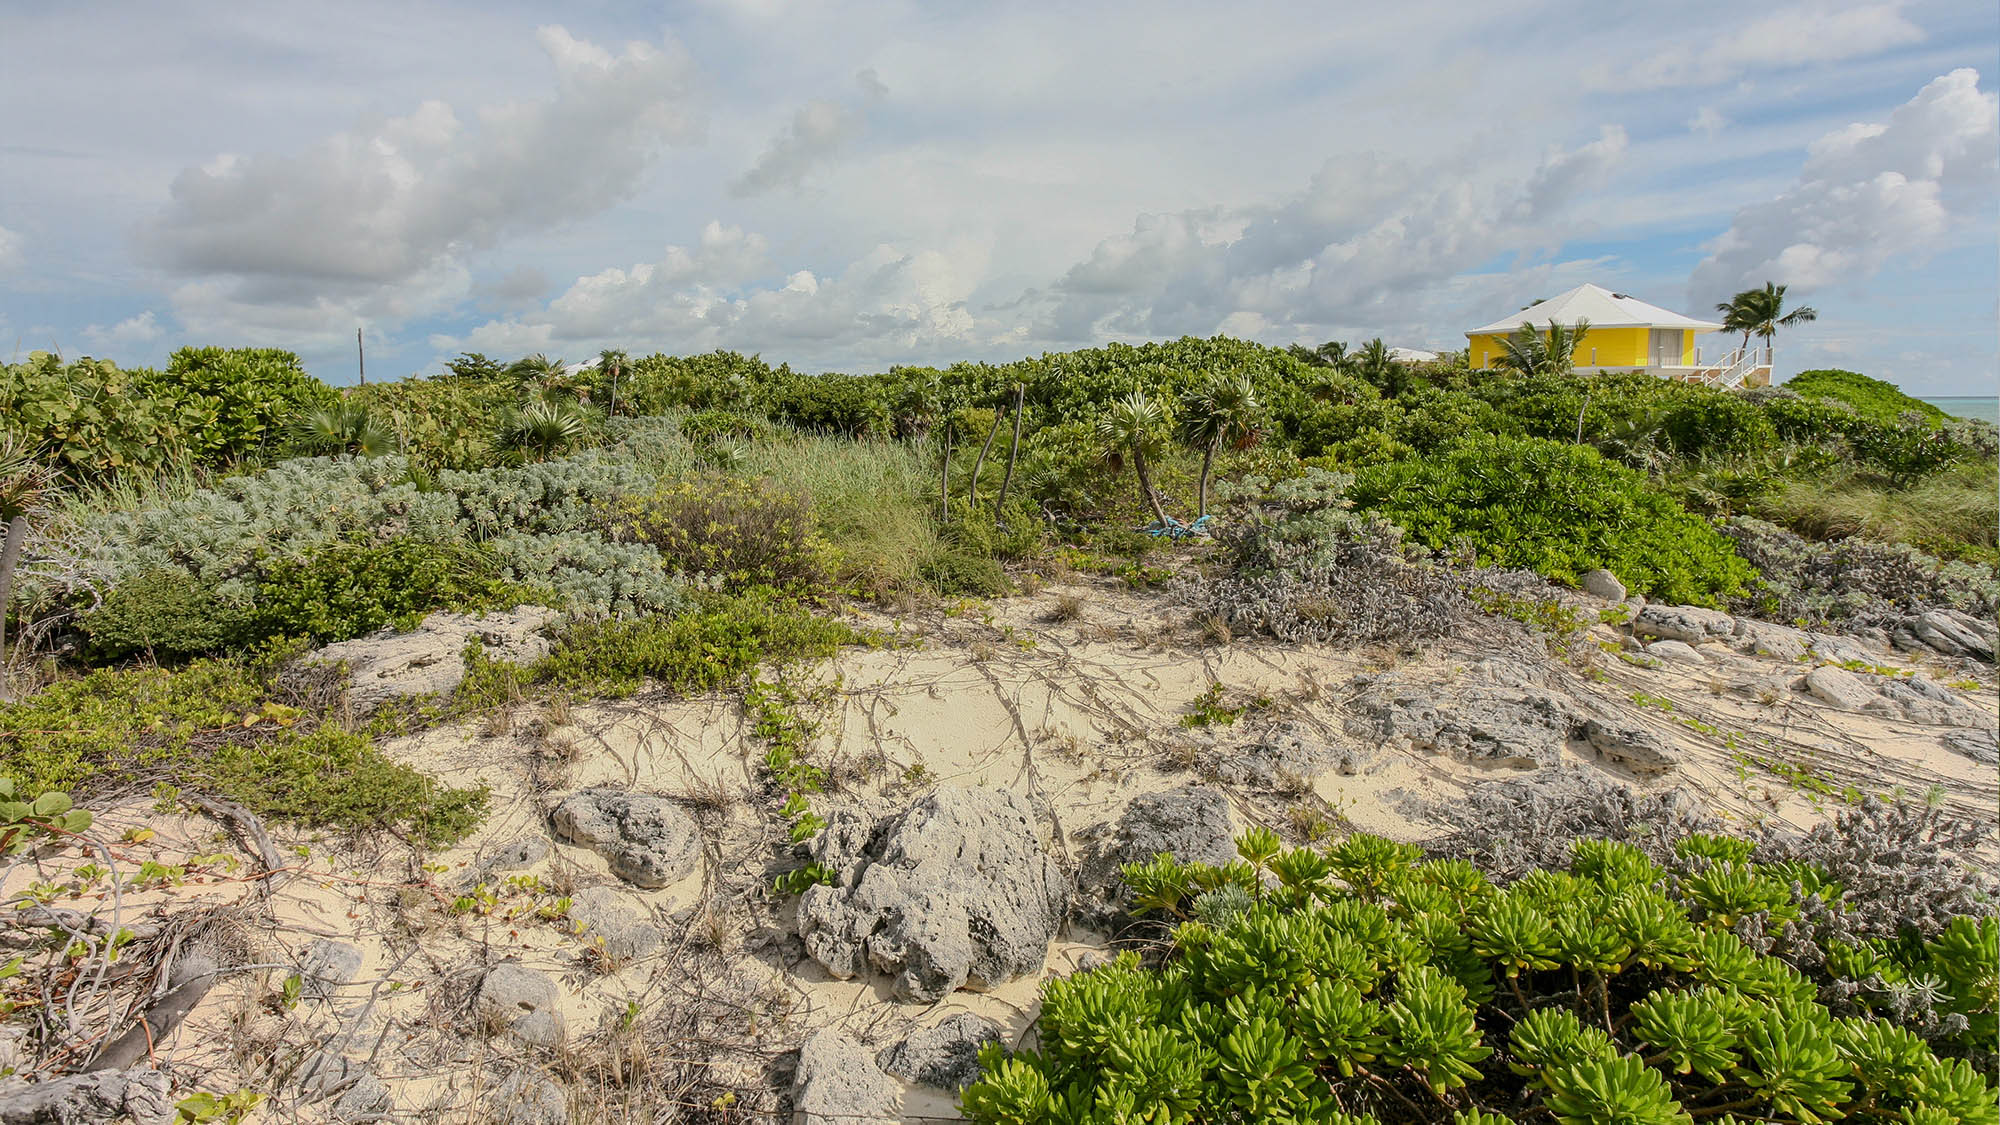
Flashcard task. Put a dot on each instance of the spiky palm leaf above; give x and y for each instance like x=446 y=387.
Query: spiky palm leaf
x=1761 y=312
x=540 y=429
x=1133 y=424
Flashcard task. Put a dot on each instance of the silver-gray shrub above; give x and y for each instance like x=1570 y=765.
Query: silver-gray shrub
x=590 y=576
x=1856 y=581
x=1305 y=568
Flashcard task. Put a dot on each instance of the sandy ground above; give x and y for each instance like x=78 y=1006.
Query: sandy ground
x=1081 y=709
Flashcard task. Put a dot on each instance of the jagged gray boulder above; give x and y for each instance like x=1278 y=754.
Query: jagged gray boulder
x=1947 y=632
x=1838 y=686
x=1979 y=745
x=1675 y=652
x=954 y=892
x=1687 y=623
x=837 y=1082
x=430 y=660
x=649 y=841
x=1602 y=584
x=1638 y=750
x=526 y=1098
x=1193 y=824
x=612 y=918
x=510 y=856
x=521 y=1001
x=353 y=1089
x=945 y=1056
x=1762 y=638
x=141 y=1095
x=1841 y=650
x=1485 y=725
x=326 y=965
x=1286 y=758
x=1923 y=700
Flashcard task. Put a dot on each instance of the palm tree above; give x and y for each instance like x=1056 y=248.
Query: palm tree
x=1225 y=410
x=612 y=363
x=1132 y=424
x=24 y=483
x=535 y=370
x=540 y=429
x=1532 y=353
x=1332 y=354
x=1758 y=312
x=342 y=428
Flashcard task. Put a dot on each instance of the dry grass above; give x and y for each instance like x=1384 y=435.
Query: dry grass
x=1068 y=607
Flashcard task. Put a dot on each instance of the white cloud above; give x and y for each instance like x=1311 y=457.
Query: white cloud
x=1708 y=121
x=1867 y=193
x=816 y=135
x=10 y=251
x=143 y=328
x=398 y=201
x=1804 y=34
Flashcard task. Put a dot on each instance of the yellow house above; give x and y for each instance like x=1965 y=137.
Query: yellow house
x=1624 y=334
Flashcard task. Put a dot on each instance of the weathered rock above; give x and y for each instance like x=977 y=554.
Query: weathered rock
x=1286 y=759
x=838 y=1083
x=1484 y=725
x=1675 y=652
x=1636 y=749
x=1687 y=623
x=526 y=1098
x=1762 y=638
x=431 y=660
x=353 y=1089
x=1947 y=632
x=649 y=841
x=1192 y=824
x=513 y=855
x=945 y=1056
x=611 y=918
x=956 y=891
x=1979 y=745
x=1602 y=584
x=141 y=1094
x=1923 y=700
x=1839 y=687
x=521 y=1001
x=1841 y=650
x=327 y=965
x=1510 y=673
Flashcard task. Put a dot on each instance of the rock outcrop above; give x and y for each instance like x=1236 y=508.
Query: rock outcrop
x=945 y=1056
x=1686 y=623
x=1192 y=823
x=649 y=841
x=521 y=1002
x=955 y=892
x=837 y=1082
x=430 y=660
x=1522 y=728
x=1637 y=750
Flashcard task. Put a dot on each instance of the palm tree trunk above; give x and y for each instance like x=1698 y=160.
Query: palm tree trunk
x=1207 y=462
x=10 y=555
x=1013 y=451
x=1146 y=483
x=944 y=480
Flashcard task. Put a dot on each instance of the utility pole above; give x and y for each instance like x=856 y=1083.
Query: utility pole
x=361 y=357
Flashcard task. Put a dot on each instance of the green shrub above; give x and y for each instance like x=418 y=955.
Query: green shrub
x=1870 y=398
x=1557 y=509
x=92 y=418
x=733 y=532
x=700 y=650
x=245 y=396
x=346 y=590
x=215 y=726
x=1716 y=423
x=1343 y=984
x=161 y=613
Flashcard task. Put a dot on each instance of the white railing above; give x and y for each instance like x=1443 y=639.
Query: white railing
x=1733 y=369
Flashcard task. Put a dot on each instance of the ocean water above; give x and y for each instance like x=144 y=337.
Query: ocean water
x=1969 y=406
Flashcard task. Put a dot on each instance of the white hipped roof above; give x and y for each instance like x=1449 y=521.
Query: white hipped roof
x=1602 y=308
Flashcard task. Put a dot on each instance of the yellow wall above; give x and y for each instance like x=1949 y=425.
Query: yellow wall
x=1600 y=347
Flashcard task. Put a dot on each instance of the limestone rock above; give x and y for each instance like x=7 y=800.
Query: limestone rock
x=1923 y=700
x=955 y=891
x=838 y=1083
x=1947 y=632
x=1284 y=759
x=1602 y=584
x=353 y=1089
x=1839 y=687
x=1762 y=638
x=1675 y=652
x=1192 y=824
x=610 y=917
x=945 y=1056
x=1841 y=650
x=517 y=999
x=1484 y=725
x=510 y=856
x=649 y=841
x=1979 y=745
x=327 y=965
x=1638 y=750
x=525 y=1098
x=1687 y=623
x=141 y=1095
x=431 y=659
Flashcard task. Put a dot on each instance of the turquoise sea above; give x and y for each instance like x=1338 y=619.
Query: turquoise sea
x=1972 y=406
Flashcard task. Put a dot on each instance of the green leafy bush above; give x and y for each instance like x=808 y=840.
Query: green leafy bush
x=1870 y=398
x=350 y=589
x=92 y=418
x=161 y=613
x=702 y=649
x=244 y=397
x=1557 y=509
x=738 y=533
x=1357 y=981
x=216 y=726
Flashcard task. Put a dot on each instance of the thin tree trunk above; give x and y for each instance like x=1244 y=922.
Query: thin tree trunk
x=1013 y=451
x=612 y=411
x=1207 y=462
x=10 y=556
x=944 y=482
x=972 y=489
x=1146 y=484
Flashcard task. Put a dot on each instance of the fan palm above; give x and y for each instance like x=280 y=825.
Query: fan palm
x=535 y=370
x=1225 y=410
x=1132 y=424
x=342 y=428
x=1531 y=353
x=612 y=363
x=1761 y=312
x=540 y=429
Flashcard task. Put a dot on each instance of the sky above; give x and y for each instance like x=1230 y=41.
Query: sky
x=852 y=186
